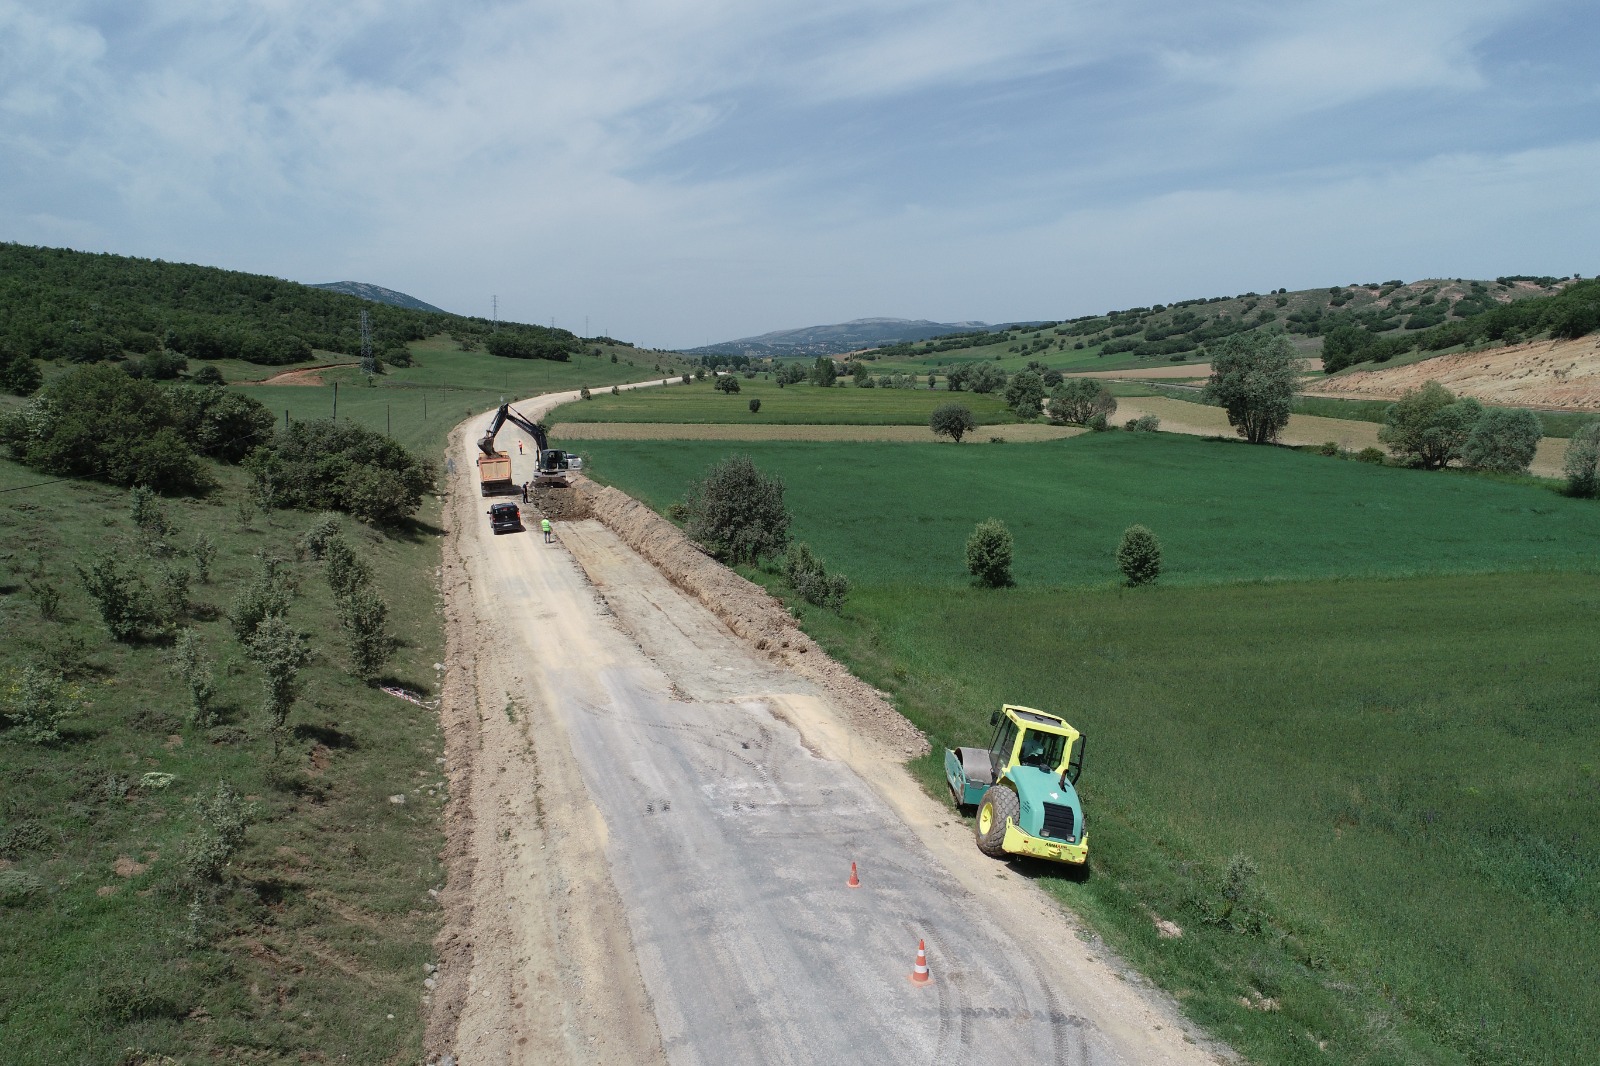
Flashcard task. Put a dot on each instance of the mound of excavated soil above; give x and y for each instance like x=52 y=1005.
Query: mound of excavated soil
x=1551 y=374
x=750 y=612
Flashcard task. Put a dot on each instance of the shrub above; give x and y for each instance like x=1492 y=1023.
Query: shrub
x=147 y=513
x=397 y=355
x=190 y=665
x=1503 y=441
x=1429 y=426
x=755 y=405
x=346 y=572
x=96 y=422
x=1369 y=454
x=989 y=553
x=1077 y=400
x=984 y=377
x=615 y=391
x=1098 y=422
x=363 y=614
x=172 y=589
x=1025 y=394
x=1581 y=464
x=823 y=372
x=687 y=378
x=1139 y=555
x=220 y=424
x=223 y=818
x=267 y=595
x=953 y=420
x=1330 y=448
x=281 y=652
x=19 y=888
x=124 y=601
x=583 y=393
x=36 y=704
x=203 y=550
x=313 y=543
x=326 y=466
x=19 y=374
x=810 y=578
x=1143 y=424
x=727 y=383
x=737 y=512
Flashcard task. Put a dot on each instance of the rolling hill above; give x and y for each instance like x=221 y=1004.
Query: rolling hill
x=378 y=294
x=838 y=338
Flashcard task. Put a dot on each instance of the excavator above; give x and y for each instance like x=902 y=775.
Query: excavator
x=494 y=467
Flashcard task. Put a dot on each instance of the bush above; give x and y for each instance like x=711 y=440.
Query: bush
x=1139 y=556
x=1372 y=455
x=363 y=614
x=345 y=571
x=1581 y=464
x=953 y=420
x=267 y=595
x=325 y=466
x=219 y=424
x=96 y=422
x=1025 y=394
x=1078 y=400
x=1143 y=424
x=124 y=601
x=1503 y=441
x=313 y=543
x=583 y=393
x=18 y=888
x=397 y=355
x=810 y=578
x=19 y=374
x=190 y=665
x=37 y=702
x=727 y=383
x=989 y=553
x=1098 y=422
x=755 y=405
x=223 y=818
x=737 y=512
x=147 y=513
x=281 y=652
x=1428 y=427
x=1330 y=448
x=203 y=551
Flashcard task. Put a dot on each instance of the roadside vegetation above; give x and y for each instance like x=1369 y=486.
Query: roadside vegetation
x=1337 y=713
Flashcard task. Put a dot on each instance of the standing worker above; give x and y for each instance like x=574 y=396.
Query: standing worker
x=524 y=492
x=519 y=447
x=544 y=524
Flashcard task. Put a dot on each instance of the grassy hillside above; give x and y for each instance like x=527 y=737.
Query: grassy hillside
x=1366 y=691
x=311 y=948
x=1370 y=321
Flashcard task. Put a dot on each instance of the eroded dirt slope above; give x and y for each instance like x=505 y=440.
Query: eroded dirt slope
x=1548 y=374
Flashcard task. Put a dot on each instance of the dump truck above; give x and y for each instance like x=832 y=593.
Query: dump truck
x=552 y=465
x=1024 y=785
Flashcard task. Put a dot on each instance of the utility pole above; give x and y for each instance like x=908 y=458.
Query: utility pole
x=336 y=401
x=494 y=326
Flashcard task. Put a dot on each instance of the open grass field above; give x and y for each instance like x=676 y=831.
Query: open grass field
x=1376 y=685
x=313 y=948
x=801 y=404
x=418 y=404
x=1225 y=511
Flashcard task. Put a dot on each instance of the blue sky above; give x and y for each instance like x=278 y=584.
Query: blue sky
x=686 y=171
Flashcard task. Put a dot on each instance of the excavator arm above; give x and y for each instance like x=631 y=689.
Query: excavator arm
x=509 y=414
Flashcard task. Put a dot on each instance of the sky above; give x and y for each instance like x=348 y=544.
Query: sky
x=682 y=172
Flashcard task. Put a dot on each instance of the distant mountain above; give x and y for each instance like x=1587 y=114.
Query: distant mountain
x=838 y=339
x=378 y=295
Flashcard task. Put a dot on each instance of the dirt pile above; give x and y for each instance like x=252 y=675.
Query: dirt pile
x=751 y=613
x=561 y=505
x=1561 y=375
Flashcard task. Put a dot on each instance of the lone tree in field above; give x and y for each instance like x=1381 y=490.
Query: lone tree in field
x=1581 y=464
x=737 y=512
x=1503 y=440
x=1429 y=427
x=728 y=383
x=989 y=553
x=1139 y=556
x=951 y=420
x=1079 y=400
x=1253 y=379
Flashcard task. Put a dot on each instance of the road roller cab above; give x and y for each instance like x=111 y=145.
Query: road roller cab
x=1024 y=786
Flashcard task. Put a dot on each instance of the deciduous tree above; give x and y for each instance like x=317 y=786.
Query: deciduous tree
x=1253 y=379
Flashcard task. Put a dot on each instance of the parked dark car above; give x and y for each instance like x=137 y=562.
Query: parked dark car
x=505 y=518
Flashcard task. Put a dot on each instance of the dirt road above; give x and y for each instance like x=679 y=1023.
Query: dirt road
x=652 y=826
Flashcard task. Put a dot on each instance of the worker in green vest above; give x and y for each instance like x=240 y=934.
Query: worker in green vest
x=544 y=524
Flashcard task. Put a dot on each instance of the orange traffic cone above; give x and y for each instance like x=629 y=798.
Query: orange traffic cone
x=919 y=973
x=854 y=882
